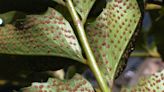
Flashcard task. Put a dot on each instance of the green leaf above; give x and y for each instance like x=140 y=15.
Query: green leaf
x=76 y=84
x=152 y=83
x=83 y=7
x=48 y=34
x=8 y=17
x=110 y=34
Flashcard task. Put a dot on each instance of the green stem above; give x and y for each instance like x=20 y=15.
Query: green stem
x=144 y=54
x=90 y=57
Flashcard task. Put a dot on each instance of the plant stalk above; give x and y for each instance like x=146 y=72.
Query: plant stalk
x=144 y=54
x=83 y=39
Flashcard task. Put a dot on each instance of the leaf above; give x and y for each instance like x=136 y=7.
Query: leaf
x=8 y=17
x=59 y=2
x=76 y=84
x=83 y=7
x=48 y=34
x=110 y=34
x=153 y=83
x=157 y=29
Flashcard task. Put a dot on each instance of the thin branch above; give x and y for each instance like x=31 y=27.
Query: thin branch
x=83 y=39
x=144 y=54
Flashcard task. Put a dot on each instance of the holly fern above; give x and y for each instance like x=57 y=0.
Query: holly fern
x=106 y=41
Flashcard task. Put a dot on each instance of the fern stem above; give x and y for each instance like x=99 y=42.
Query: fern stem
x=144 y=54
x=150 y=6
x=83 y=39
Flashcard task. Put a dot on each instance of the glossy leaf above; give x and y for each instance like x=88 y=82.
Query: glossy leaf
x=76 y=84
x=83 y=7
x=48 y=34
x=110 y=34
x=154 y=83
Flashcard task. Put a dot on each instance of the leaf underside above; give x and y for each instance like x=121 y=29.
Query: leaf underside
x=110 y=34
x=83 y=7
x=76 y=84
x=48 y=34
x=154 y=83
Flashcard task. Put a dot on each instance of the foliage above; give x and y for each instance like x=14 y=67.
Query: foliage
x=27 y=36
x=77 y=83
x=157 y=29
x=110 y=36
x=153 y=83
x=8 y=17
x=83 y=11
